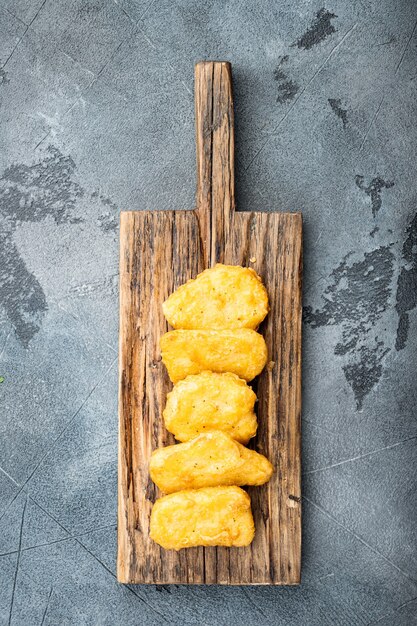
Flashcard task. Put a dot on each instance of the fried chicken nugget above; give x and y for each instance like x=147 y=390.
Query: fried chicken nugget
x=224 y=296
x=241 y=351
x=209 y=460
x=211 y=401
x=214 y=516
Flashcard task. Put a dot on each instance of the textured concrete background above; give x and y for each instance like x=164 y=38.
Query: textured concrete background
x=96 y=101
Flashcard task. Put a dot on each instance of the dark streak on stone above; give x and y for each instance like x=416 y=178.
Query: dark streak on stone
x=287 y=88
x=29 y=194
x=22 y=296
x=374 y=190
x=343 y=348
x=3 y=77
x=374 y=231
x=320 y=28
x=355 y=299
x=362 y=290
x=364 y=374
x=390 y=41
x=406 y=298
x=336 y=106
x=107 y=221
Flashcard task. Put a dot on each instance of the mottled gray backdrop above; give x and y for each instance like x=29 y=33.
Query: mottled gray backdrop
x=96 y=103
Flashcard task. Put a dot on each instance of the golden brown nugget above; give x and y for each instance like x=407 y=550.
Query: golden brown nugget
x=241 y=351
x=224 y=296
x=209 y=460
x=214 y=516
x=211 y=401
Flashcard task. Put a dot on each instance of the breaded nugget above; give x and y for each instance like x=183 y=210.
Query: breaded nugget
x=214 y=516
x=211 y=401
x=224 y=296
x=209 y=460
x=241 y=351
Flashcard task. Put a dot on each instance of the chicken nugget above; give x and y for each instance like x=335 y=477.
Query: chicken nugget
x=224 y=296
x=211 y=401
x=214 y=516
x=241 y=351
x=209 y=460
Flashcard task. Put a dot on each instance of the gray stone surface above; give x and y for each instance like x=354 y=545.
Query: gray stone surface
x=96 y=103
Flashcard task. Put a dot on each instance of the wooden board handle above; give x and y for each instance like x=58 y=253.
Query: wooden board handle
x=215 y=156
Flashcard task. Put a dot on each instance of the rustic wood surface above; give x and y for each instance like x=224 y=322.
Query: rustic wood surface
x=158 y=252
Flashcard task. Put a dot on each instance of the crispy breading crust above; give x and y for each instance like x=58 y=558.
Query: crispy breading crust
x=240 y=351
x=209 y=460
x=211 y=401
x=214 y=516
x=224 y=296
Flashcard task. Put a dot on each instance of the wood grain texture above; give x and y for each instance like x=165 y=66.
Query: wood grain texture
x=158 y=252
x=214 y=122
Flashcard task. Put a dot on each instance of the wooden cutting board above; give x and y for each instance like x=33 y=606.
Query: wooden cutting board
x=159 y=251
